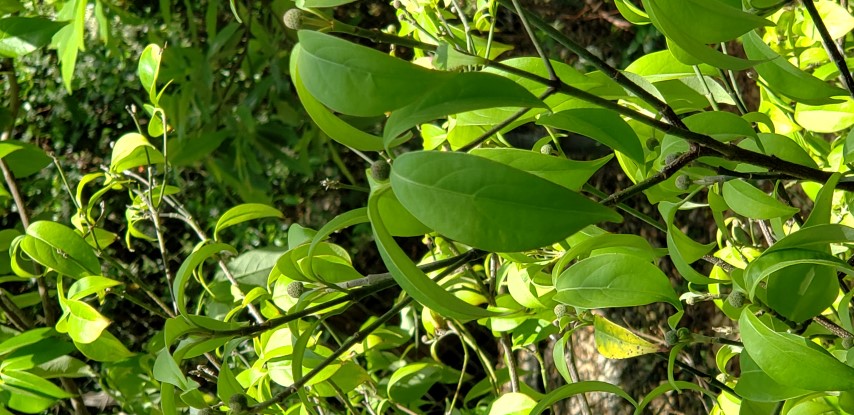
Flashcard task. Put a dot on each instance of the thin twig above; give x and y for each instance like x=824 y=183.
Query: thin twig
x=510 y=361
x=830 y=46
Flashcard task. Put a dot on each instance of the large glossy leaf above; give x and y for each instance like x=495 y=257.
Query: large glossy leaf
x=60 y=248
x=772 y=261
x=107 y=348
x=756 y=385
x=747 y=200
x=604 y=126
x=463 y=92
x=775 y=352
x=785 y=78
x=616 y=342
x=692 y=24
x=781 y=147
x=356 y=80
x=568 y=173
x=614 y=280
x=489 y=205
x=411 y=279
x=814 y=237
x=514 y=403
x=336 y=128
x=22 y=35
x=682 y=249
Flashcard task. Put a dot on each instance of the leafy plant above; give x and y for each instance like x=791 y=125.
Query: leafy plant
x=518 y=252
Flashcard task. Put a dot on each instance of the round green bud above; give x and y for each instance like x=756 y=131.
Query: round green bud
x=560 y=311
x=848 y=342
x=737 y=299
x=547 y=149
x=671 y=338
x=683 y=182
x=293 y=19
x=295 y=289
x=380 y=170
x=237 y=404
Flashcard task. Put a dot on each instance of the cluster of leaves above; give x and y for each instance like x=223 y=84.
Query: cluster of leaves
x=515 y=243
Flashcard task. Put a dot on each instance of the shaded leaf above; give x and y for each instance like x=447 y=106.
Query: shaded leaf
x=774 y=353
x=22 y=35
x=604 y=126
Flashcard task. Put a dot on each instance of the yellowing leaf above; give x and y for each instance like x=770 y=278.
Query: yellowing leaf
x=616 y=342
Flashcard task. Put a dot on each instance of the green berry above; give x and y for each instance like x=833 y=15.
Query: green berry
x=546 y=149
x=293 y=19
x=737 y=299
x=848 y=342
x=560 y=311
x=380 y=170
x=683 y=182
x=237 y=404
x=671 y=338
x=651 y=144
x=295 y=289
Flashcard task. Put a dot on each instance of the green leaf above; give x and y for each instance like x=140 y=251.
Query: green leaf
x=31 y=382
x=823 y=206
x=513 y=403
x=148 y=70
x=448 y=58
x=567 y=391
x=61 y=249
x=720 y=125
x=774 y=353
x=344 y=220
x=25 y=339
x=682 y=249
x=746 y=200
x=411 y=382
x=602 y=125
x=663 y=66
x=756 y=385
x=90 y=285
x=82 y=322
x=465 y=91
x=828 y=118
x=9 y=7
x=107 y=348
x=20 y=36
x=68 y=41
x=781 y=147
x=616 y=342
x=411 y=279
x=189 y=265
x=244 y=213
x=667 y=387
x=774 y=260
x=24 y=159
x=356 y=80
x=166 y=370
x=496 y=207
x=848 y=148
x=134 y=150
x=571 y=174
x=690 y=25
x=631 y=12
x=398 y=220
x=336 y=128
x=814 y=237
x=783 y=77
x=614 y=280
